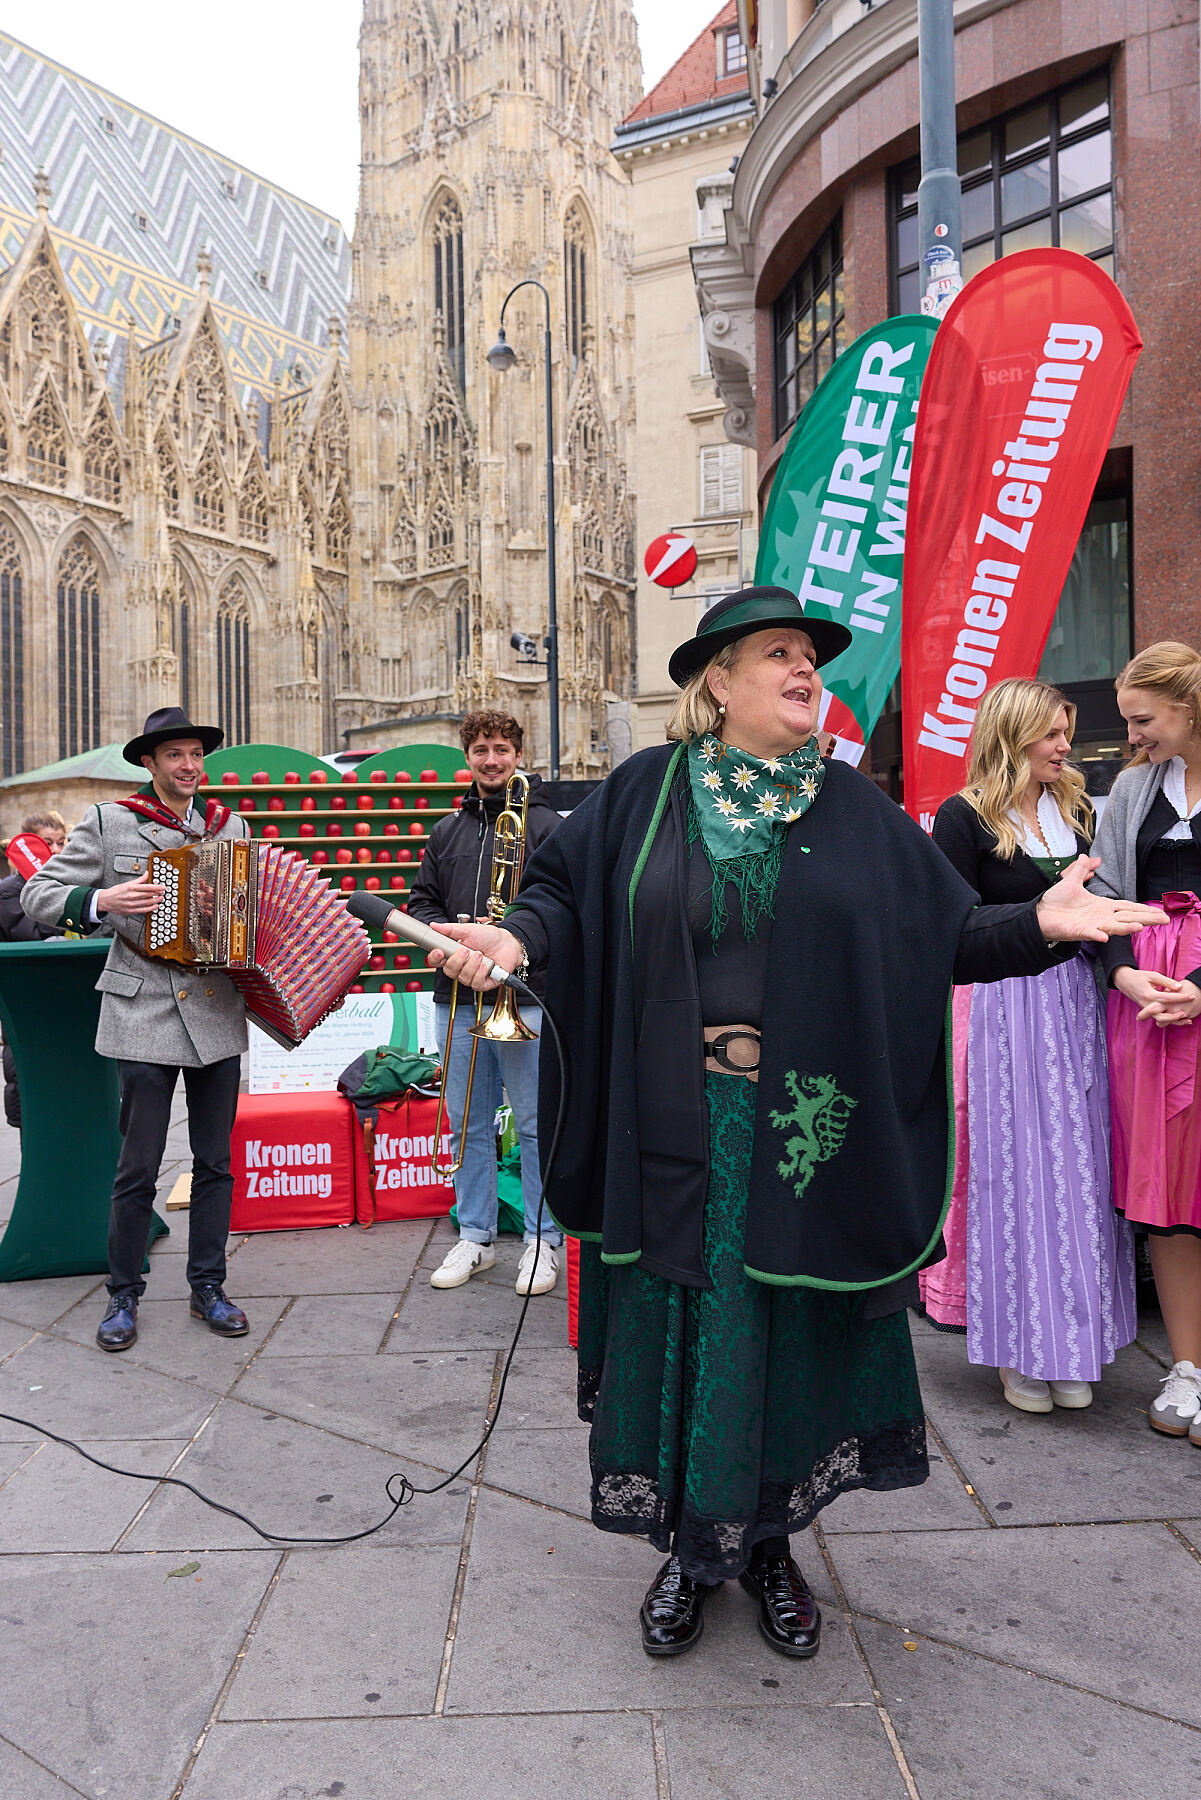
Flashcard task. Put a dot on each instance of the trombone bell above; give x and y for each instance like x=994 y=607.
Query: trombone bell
x=504 y=1024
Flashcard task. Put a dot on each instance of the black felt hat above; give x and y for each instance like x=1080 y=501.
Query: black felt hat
x=167 y=723
x=753 y=609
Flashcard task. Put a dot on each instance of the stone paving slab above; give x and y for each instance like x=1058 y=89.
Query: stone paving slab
x=795 y=1753
x=388 y=1662
x=1106 y=1607
x=41 y=1303
x=338 y=1325
x=45 y=1506
x=337 y=1260
x=20 y=1775
x=128 y=1661
x=941 y=1503
x=1101 y=1463
x=970 y=1727
x=12 y=1336
x=549 y=1464
x=85 y=1393
x=481 y=1315
x=602 y=1756
x=287 y=1478
x=564 y=1627
x=171 y=1342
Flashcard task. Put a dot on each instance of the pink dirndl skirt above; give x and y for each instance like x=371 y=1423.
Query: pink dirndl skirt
x=944 y=1285
x=1155 y=1085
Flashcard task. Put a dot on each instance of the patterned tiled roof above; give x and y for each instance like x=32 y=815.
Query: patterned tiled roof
x=135 y=202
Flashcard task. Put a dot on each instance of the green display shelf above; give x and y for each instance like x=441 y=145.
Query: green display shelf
x=70 y=1102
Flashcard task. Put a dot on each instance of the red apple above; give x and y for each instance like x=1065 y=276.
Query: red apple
x=383 y=856
x=396 y=881
x=412 y=987
x=308 y=803
x=402 y=962
x=429 y=774
x=291 y=776
x=372 y=882
x=306 y=828
x=271 y=831
x=421 y=804
x=319 y=775
x=401 y=907
x=230 y=778
x=457 y=802
x=379 y=774
x=387 y=987
x=390 y=937
x=404 y=854
x=337 y=802
x=365 y=802
x=358 y=988
x=362 y=828
x=416 y=830
x=403 y=775
x=319 y=856
x=391 y=829
x=363 y=854
x=275 y=803
x=260 y=778
x=421 y=855
x=343 y=855
x=349 y=775
x=462 y=774
x=333 y=829
x=347 y=883
x=203 y=782
x=377 y=962
x=245 y=804
x=396 y=803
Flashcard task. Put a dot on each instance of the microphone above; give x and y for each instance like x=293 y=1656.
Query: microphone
x=373 y=910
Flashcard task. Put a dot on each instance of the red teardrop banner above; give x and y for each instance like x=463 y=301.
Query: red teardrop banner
x=1021 y=394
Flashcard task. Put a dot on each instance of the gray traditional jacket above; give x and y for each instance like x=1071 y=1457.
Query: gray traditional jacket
x=1131 y=798
x=151 y=1010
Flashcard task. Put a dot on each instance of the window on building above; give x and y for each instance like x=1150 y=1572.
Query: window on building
x=183 y=636
x=731 y=54
x=12 y=655
x=1090 y=638
x=102 y=464
x=46 y=443
x=78 y=650
x=233 y=662
x=721 y=480
x=1041 y=175
x=448 y=280
x=576 y=258
x=809 y=326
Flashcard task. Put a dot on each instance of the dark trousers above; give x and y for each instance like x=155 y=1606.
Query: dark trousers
x=146 y=1090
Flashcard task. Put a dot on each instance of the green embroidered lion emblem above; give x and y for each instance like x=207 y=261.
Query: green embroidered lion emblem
x=818 y=1125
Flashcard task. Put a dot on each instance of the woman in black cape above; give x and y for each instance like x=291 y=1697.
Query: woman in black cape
x=749 y=953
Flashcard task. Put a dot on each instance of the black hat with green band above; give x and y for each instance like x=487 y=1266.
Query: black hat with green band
x=754 y=609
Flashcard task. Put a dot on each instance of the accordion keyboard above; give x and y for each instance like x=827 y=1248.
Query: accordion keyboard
x=164 y=920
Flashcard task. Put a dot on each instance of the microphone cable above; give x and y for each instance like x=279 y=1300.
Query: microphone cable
x=399 y=1489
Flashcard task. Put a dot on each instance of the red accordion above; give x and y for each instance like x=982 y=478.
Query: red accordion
x=268 y=919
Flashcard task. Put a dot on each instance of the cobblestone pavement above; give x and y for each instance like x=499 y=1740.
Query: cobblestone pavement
x=1028 y=1623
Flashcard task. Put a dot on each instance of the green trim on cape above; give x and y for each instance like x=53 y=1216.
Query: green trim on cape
x=625 y=1256
x=652 y=828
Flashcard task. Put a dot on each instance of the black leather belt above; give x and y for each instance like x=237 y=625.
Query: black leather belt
x=732 y=1050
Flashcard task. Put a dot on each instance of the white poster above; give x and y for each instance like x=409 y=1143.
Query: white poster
x=362 y=1022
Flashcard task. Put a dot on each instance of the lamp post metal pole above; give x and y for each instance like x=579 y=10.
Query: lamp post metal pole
x=938 y=194
x=552 y=623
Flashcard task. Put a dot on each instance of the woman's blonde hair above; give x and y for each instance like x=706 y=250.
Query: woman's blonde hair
x=43 y=821
x=696 y=712
x=1172 y=672
x=1011 y=717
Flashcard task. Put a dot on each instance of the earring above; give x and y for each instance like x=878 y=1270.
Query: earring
x=721 y=712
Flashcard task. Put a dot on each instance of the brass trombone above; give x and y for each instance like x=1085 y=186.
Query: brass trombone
x=504 y=1025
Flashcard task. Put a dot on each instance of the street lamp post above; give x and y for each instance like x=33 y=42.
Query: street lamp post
x=501 y=357
x=938 y=194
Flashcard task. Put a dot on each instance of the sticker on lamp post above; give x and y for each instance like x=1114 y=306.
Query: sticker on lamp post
x=670 y=560
x=943 y=277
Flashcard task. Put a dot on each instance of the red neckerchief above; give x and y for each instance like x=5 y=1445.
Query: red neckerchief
x=147 y=805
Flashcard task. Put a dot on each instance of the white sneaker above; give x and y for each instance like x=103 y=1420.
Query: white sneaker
x=538 y=1270
x=1178 y=1402
x=461 y=1262
x=1024 y=1392
x=1071 y=1393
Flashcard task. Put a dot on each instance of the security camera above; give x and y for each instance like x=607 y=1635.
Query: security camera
x=524 y=644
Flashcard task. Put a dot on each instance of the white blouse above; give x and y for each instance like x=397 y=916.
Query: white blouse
x=1177 y=794
x=1059 y=838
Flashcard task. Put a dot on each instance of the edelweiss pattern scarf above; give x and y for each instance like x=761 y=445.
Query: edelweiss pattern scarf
x=741 y=806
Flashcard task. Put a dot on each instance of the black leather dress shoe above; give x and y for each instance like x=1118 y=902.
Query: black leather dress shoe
x=788 y=1614
x=119 y=1327
x=672 y=1614
x=218 y=1313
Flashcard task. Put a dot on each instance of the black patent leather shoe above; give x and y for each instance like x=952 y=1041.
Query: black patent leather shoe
x=788 y=1614
x=119 y=1327
x=672 y=1615
x=218 y=1313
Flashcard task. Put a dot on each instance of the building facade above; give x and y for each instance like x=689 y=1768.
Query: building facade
x=486 y=162
x=678 y=146
x=1078 y=126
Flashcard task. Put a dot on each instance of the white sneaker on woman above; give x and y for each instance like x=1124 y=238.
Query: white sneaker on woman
x=1178 y=1403
x=461 y=1262
x=1071 y=1393
x=538 y=1270
x=1024 y=1392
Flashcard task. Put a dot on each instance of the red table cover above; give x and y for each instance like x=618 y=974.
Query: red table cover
x=293 y=1161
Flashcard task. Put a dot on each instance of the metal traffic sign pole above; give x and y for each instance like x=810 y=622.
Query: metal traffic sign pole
x=940 y=234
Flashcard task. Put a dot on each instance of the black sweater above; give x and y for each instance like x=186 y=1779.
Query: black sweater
x=966 y=841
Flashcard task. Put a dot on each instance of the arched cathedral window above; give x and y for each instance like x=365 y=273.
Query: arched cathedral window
x=46 y=443
x=102 y=464
x=183 y=636
x=337 y=532
x=440 y=536
x=448 y=279
x=78 y=649
x=252 y=509
x=168 y=475
x=576 y=265
x=12 y=655
x=208 y=493
x=233 y=662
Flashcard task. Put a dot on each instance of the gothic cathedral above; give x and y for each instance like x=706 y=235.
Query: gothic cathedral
x=486 y=127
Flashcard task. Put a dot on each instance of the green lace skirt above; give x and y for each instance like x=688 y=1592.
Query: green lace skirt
x=722 y=1416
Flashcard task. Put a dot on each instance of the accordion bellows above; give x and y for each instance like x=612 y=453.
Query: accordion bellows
x=276 y=927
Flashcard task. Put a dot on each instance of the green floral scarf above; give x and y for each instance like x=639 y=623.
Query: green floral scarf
x=739 y=808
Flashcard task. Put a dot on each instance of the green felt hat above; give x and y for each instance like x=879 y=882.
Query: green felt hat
x=753 y=609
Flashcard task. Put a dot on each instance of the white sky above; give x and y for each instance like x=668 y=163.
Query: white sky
x=272 y=84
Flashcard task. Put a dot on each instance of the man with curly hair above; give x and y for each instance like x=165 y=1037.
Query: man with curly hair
x=453 y=884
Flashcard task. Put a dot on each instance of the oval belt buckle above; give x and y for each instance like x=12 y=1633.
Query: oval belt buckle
x=718 y=1049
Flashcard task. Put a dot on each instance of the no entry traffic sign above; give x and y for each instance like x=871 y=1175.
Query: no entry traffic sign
x=670 y=560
